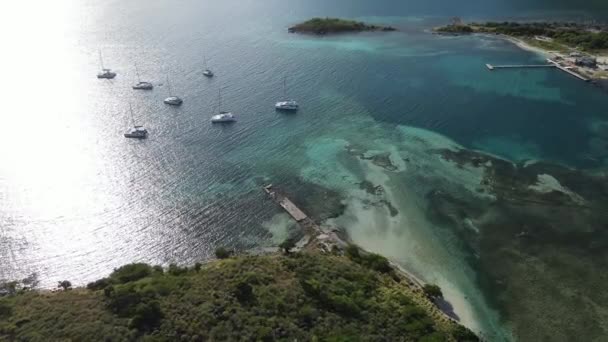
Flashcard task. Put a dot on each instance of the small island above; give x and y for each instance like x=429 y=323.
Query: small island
x=323 y=26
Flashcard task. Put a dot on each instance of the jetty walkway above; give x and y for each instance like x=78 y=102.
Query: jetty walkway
x=310 y=228
x=552 y=64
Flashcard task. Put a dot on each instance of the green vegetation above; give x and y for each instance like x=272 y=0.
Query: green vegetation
x=570 y=34
x=287 y=245
x=300 y=296
x=335 y=25
x=432 y=291
x=222 y=253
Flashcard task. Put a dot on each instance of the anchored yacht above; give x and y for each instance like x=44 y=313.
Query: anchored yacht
x=137 y=131
x=172 y=99
x=222 y=117
x=105 y=73
x=207 y=71
x=286 y=105
x=142 y=85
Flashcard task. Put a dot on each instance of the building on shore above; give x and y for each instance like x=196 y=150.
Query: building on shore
x=588 y=62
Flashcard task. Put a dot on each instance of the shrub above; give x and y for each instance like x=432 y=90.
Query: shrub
x=98 y=284
x=244 y=293
x=5 y=309
x=65 y=285
x=176 y=270
x=287 y=245
x=147 y=316
x=123 y=299
x=222 y=253
x=463 y=334
x=432 y=291
x=130 y=272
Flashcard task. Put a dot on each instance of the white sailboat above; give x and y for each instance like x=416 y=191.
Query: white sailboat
x=172 y=99
x=137 y=131
x=207 y=71
x=142 y=85
x=105 y=73
x=222 y=117
x=286 y=105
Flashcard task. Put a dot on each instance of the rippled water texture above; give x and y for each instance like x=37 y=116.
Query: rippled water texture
x=374 y=149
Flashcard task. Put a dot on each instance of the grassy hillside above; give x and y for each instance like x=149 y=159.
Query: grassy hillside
x=303 y=296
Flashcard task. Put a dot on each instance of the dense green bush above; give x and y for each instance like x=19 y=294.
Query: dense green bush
x=432 y=291
x=373 y=261
x=222 y=253
x=288 y=245
x=130 y=272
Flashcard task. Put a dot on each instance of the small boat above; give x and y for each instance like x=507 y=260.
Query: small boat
x=207 y=71
x=172 y=99
x=105 y=73
x=286 y=105
x=137 y=131
x=142 y=85
x=222 y=117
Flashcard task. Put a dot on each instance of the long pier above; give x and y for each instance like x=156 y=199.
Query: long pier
x=552 y=64
x=519 y=66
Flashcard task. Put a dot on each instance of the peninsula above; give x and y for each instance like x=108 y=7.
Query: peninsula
x=288 y=296
x=322 y=26
x=579 y=47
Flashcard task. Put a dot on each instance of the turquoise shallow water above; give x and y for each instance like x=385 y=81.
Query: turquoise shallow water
x=77 y=199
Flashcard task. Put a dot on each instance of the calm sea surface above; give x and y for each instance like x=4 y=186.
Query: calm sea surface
x=77 y=199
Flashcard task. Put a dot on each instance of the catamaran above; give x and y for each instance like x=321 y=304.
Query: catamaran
x=222 y=117
x=105 y=73
x=207 y=71
x=137 y=131
x=142 y=85
x=286 y=105
x=172 y=99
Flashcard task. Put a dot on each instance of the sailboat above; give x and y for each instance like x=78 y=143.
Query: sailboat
x=172 y=99
x=222 y=117
x=207 y=71
x=105 y=73
x=286 y=105
x=142 y=85
x=137 y=131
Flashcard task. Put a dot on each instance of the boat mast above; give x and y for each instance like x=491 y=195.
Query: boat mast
x=169 y=86
x=137 y=72
x=101 y=60
x=131 y=111
x=285 y=87
x=219 y=100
